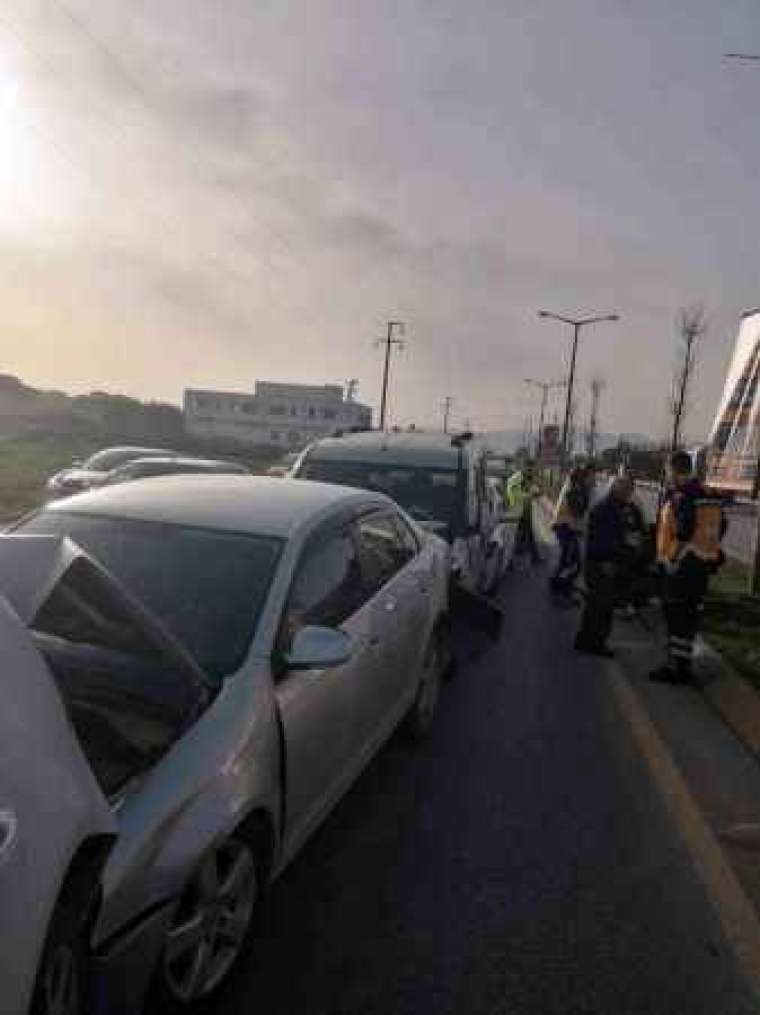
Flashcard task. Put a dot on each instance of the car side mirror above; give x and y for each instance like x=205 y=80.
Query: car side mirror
x=318 y=648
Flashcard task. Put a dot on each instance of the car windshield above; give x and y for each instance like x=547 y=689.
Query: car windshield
x=112 y=458
x=208 y=587
x=428 y=495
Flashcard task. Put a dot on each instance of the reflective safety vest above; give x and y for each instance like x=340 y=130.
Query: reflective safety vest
x=705 y=539
x=515 y=493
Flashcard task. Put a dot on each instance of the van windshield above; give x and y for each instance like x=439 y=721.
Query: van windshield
x=428 y=495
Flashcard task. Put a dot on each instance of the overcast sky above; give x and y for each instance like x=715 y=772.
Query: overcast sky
x=207 y=192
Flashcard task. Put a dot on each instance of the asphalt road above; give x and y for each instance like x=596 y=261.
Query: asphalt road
x=521 y=862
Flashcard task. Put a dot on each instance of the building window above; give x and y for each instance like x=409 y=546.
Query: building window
x=312 y=412
x=277 y=410
x=201 y=402
x=250 y=408
x=274 y=436
x=293 y=410
x=329 y=414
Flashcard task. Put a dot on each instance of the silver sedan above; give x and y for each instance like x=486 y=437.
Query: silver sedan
x=285 y=631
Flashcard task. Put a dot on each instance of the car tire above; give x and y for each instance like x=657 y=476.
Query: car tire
x=211 y=928
x=62 y=984
x=419 y=718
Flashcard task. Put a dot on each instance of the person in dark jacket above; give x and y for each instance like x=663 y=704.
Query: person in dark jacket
x=606 y=552
x=638 y=556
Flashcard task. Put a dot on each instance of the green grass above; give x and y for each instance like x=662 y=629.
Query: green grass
x=731 y=621
x=27 y=462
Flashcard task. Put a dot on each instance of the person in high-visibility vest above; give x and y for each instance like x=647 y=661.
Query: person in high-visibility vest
x=690 y=528
x=569 y=520
x=521 y=491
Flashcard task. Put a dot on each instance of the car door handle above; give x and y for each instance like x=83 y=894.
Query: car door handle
x=390 y=605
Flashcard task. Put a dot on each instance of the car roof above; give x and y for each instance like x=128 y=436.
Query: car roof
x=260 y=505
x=412 y=449
x=177 y=460
x=131 y=449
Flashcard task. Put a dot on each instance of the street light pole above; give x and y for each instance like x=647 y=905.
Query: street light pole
x=576 y=323
x=544 y=387
x=447 y=403
x=389 y=341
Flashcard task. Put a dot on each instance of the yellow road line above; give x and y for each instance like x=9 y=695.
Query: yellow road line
x=737 y=915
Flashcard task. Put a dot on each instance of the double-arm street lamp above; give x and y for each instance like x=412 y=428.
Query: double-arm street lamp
x=576 y=324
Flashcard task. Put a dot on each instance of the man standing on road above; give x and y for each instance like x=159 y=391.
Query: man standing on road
x=521 y=493
x=689 y=532
x=569 y=517
x=605 y=554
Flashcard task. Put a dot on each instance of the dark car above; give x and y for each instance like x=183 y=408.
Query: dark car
x=144 y=468
x=94 y=470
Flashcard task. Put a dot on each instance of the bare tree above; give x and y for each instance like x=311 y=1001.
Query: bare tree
x=691 y=324
x=597 y=384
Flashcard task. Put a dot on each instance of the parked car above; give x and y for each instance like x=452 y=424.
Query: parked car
x=440 y=481
x=100 y=726
x=144 y=468
x=303 y=622
x=95 y=469
x=501 y=531
x=279 y=470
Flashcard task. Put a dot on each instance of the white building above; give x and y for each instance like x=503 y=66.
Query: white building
x=735 y=437
x=286 y=415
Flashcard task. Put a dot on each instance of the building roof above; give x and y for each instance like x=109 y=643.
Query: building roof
x=255 y=504
x=415 y=449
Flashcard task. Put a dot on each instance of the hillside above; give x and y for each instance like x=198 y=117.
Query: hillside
x=43 y=431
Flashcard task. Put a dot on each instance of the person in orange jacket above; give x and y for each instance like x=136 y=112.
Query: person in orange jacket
x=690 y=528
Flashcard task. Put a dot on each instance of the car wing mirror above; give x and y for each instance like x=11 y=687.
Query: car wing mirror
x=318 y=648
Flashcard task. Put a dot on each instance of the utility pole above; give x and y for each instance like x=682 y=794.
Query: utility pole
x=597 y=386
x=389 y=341
x=576 y=323
x=447 y=403
x=544 y=387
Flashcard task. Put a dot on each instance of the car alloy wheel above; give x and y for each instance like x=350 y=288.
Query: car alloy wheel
x=212 y=922
x=61 y=986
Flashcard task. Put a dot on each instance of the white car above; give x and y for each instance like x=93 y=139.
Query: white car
x=231 y=652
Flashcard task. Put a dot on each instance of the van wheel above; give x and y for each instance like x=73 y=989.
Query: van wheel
x=419 y=718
